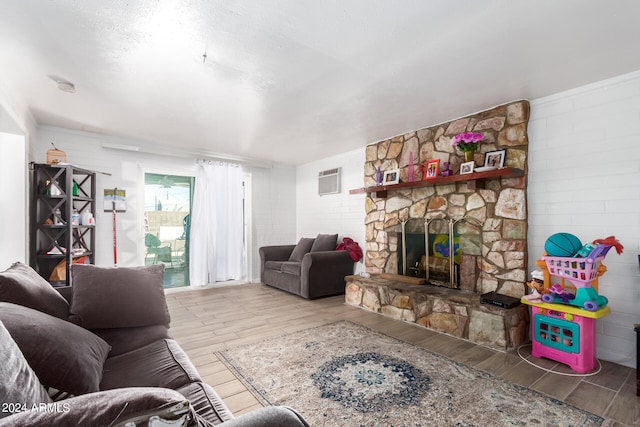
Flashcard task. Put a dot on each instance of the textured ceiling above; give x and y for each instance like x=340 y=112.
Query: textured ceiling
x=292 y=81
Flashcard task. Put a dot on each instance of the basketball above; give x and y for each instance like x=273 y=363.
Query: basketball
x=562 y=244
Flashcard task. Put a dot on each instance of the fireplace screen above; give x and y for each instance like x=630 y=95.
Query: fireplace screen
x=431 y=255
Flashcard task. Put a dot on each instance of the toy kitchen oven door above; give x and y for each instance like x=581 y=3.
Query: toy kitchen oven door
x=565 y=334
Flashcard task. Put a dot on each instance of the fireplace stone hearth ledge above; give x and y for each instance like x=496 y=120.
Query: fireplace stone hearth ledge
x=453 y=311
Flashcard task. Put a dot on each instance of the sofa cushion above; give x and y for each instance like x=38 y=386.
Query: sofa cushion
x=118 y=297
x=284 y=266
x=114 y=408
x=62 y=355
x=291 y=268
x=325 y=242
x=160 y=364
x=274 y=265
x=124 y=340
x=20 y=284
x=20 y=388
x=303 y=247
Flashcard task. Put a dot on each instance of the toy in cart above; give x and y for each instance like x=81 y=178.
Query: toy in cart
x=581 y=270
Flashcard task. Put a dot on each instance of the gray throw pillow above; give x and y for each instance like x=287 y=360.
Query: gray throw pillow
x=20 y=389
x=303 y=247
x=118 y=297
x=325 y=242
x=62 y=355
x=20 y=284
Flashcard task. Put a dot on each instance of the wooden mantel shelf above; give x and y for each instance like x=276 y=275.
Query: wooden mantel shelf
x=474 y=180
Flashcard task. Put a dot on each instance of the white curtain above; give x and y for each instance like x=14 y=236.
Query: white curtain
x=216 y=249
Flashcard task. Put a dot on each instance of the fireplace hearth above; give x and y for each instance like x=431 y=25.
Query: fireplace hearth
x=456 y=312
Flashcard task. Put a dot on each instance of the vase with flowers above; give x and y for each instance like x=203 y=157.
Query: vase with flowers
x=467 y=142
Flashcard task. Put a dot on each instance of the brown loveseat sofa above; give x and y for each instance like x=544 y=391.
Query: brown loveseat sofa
x=102 y=355
x=311 y=269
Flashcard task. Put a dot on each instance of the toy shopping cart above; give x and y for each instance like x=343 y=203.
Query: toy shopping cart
x=581 y=272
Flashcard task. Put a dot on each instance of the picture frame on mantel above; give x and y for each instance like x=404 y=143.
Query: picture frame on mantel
x=391 y=176
x=495 y=159
x=467 y=167
x=431 y=169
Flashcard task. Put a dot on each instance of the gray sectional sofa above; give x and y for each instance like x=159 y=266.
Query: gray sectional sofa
x=312 y=269
x=102 y=355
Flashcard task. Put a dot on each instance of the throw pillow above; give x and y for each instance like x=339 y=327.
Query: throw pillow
x=118 y=297
x=325 y=242
x=62 y=355
x=19 y=387
x=303 y=247
x=20 y=284
x=120 y=407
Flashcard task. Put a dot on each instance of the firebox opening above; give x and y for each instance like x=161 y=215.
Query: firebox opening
x=438 y=259
x=429 y=256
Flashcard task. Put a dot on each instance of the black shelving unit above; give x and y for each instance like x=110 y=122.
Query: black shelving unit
x=56 y=192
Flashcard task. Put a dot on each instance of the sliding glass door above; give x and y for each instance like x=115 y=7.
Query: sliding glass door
x=167 y=207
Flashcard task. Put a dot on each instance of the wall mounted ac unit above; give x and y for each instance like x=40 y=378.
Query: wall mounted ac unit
x=329 y=182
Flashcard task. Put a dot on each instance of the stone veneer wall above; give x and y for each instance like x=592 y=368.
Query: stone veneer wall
x=501 y=206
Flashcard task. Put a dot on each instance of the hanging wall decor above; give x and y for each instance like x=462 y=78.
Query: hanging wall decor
x=115 y=200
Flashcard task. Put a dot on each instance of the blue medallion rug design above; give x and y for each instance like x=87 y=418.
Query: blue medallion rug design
x=371 y=382
x=344 y=374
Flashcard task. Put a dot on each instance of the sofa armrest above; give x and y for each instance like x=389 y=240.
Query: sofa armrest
x=274 y=253
x=322 y=273
x=108 y=408
x=270 y=416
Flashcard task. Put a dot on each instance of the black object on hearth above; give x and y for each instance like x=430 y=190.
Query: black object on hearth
x=500 y=300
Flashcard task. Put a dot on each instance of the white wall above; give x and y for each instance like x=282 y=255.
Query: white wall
x=17 y=128
x=273 y=214
x=341 y=213
x=273 y=209
x=584 y=179
x=13 y=203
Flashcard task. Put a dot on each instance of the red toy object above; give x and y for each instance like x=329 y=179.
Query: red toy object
x=611 y=241
x=349 y=245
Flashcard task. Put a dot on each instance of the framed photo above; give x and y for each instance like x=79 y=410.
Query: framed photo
x=467 y=167
x=391 y=177
x=431 y=169
x=495 y=159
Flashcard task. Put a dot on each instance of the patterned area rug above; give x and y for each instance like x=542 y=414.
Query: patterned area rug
x=344 y=374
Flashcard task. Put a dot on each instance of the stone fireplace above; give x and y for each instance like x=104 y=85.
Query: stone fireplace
x=487 y=219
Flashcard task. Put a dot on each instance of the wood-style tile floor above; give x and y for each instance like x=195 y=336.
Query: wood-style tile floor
x=207 y=320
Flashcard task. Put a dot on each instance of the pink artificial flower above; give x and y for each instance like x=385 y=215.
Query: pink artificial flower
x=466 y=137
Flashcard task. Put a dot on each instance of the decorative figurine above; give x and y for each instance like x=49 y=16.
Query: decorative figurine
x=378 y=176
x=446 y=171
x=410 y=171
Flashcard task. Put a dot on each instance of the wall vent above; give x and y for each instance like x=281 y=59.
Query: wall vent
x=329 y=181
